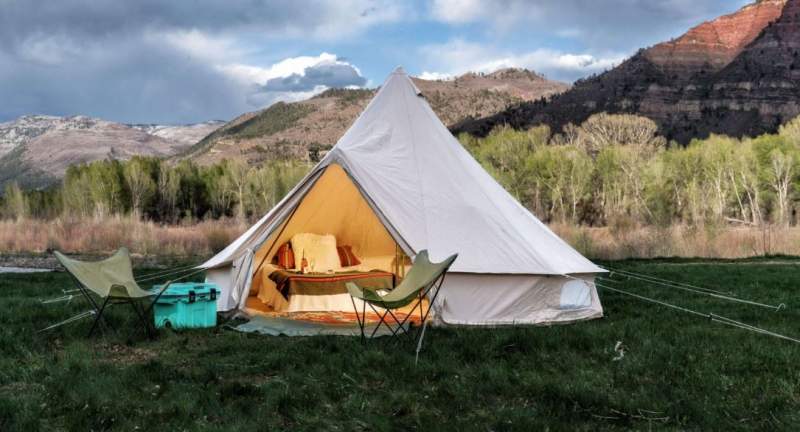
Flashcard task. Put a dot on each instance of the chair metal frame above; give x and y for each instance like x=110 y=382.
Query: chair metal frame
x=98 y=308
x=401 y=328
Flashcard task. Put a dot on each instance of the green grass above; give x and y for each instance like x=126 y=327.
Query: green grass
x=276 y=118
x=679 y=372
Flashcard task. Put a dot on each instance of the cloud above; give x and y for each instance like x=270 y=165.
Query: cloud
x=435 y=76
x=297 y=78
x=283 y=68
x=458 y=56
x=171 y=61
x=338 y=74
x=140 y=80
x=623 y=24
x=180 y=77
x=185 y=61
x=458 y=11
x=105 y=18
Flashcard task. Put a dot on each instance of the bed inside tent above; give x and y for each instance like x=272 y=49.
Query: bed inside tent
x=335 y=207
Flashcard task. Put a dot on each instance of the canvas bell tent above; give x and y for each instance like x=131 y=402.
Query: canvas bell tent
x=398 y=182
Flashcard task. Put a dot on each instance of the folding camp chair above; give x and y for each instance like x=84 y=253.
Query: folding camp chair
x=112 y=281
x=423 y=278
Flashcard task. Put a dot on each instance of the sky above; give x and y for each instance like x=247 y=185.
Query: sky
x=186 y=61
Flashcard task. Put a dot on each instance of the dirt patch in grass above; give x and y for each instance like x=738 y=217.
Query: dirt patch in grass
x=123 y=354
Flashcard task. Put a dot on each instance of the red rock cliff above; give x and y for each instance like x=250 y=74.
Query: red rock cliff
x=737 y=75
x=714 y=44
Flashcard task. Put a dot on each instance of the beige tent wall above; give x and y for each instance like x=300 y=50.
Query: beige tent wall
x=502 y=299
x=221 y=277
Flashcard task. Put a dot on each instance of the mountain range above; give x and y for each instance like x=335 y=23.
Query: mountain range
x=36 y=150
x=738 y=75
x=305 y=130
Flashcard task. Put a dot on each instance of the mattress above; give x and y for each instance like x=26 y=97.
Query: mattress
x=326 y=291
x=292 y=283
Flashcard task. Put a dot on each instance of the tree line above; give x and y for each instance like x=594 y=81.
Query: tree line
x=616 y=168
x=157 y=190
x=611 y=169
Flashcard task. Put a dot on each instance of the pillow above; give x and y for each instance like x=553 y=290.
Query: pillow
x=285 y=256
x=346 y=256
x=318 y=250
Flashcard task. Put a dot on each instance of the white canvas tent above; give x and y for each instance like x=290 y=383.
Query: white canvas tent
x=399 y=180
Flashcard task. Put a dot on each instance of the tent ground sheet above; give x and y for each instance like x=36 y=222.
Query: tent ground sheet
x=317 y=323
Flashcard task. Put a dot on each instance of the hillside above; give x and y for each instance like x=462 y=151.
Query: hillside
x=35 y=151
x=735 y=75
x=181 y=135
x=305 y=130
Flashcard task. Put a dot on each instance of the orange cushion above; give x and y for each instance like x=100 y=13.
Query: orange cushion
x=347 y=257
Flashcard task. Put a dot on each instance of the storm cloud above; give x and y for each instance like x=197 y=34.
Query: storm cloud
x=182 y=61
x=105 y=18
x=166 y=61
x=324 y=74
x=613 y=25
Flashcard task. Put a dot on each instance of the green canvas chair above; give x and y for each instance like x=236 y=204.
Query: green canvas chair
x=423 y=278
x=112 y=281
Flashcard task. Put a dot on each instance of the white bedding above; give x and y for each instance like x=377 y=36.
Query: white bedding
x=268 y=293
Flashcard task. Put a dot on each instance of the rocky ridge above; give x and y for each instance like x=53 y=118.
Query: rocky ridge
x=305 y=130
x=735 y=75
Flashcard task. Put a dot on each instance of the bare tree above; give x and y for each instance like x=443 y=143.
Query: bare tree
x=603 y=130
x=237 y=173
x=781 y=175
x=745 y=172
x=140 y=184
x=169 y=184
x=15 y=203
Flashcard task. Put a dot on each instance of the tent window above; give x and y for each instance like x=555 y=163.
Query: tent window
x=575 y=294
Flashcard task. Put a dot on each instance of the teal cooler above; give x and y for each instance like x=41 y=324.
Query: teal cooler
x=187 y=305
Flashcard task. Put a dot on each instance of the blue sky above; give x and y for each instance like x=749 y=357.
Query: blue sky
x=182 y=61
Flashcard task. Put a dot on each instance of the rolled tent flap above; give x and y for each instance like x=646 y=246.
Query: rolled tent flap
x=233 y=281
x=242 y=278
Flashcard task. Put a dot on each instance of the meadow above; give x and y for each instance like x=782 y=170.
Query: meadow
x=678 y=372
x=199 y=240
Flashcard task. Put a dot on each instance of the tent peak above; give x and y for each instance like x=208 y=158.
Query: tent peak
x=400 y=72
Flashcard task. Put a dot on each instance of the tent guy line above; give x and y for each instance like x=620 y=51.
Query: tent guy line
x=710 y=316
x=188 y=272
x=697 y=290
x=163 y=272
x=627 y=272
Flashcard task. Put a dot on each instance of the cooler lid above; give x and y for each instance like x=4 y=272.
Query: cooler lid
x=182 y=289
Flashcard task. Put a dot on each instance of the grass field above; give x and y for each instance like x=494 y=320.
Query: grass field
x=679 y=371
